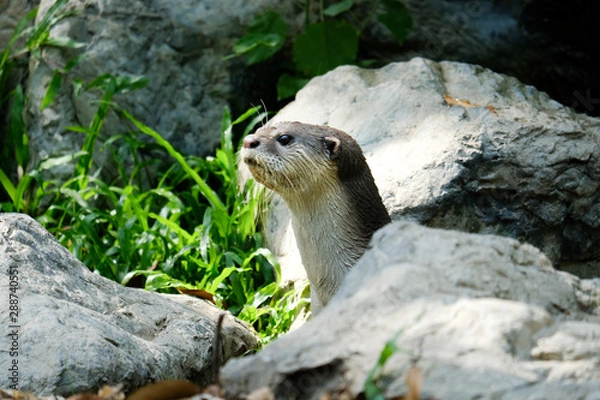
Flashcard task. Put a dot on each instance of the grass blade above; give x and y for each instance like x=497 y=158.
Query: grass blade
x=52 y=90
x=206 y=191
x=8 y=186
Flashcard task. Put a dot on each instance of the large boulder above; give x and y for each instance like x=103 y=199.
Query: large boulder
x=544 y=43
x=179 y=46
x=481 y=316
x=69 y=330
x=504 y=158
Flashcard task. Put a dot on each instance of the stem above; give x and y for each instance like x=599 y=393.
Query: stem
x=306 y=14
x=369 y=16
x=321 y=11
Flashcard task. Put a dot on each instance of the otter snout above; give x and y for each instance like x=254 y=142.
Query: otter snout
x=250 y=142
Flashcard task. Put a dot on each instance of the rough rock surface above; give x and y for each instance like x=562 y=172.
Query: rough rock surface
x=525 y=167
x=11 y=12
x=78 y=331
x=178 y=46
x=482 y=316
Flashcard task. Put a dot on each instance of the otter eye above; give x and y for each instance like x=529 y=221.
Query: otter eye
x=285 y=139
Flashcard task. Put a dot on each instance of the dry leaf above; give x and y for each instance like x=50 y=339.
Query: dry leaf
x=111 y=392
x=492 y=109
x=343 y=394
x=263 y=393
x=214 y=390
x=84 y=396
x=166 y=390
x=202 y=294
x=453 y=101
x=414 y=381
x=16 y=395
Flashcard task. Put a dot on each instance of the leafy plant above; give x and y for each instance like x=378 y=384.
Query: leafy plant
x=13 y=137
x=323 y=45
x=183 y=225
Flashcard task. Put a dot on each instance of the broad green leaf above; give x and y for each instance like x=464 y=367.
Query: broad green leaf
x=159 y=280
x=265 y=37
x=258 y=46
x=225 y=273
x=264 y=294
x=397 y=19
x=325 y=46
x=52 y=90
x=288 y=85
x=172 y=225
x=338 y=8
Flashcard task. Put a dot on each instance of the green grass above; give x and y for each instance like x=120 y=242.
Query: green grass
x=156 y=219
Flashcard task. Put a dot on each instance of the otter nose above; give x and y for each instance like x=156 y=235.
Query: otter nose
x=250 y=142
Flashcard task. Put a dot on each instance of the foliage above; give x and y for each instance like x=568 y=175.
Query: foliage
x=372 y=387
x=265 y=37
x=323 y=45
x=13 y=139
x=166 y=226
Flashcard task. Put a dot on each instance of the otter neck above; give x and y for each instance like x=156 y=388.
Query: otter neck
x=327 y=236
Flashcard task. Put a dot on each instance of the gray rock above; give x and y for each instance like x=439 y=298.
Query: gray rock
x=178 y=45
x=482 y=316
x=11 y=12
x=77 y=331
x=528 y=168
x=541 y=42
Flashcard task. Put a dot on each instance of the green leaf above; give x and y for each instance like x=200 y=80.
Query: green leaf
x=73 y=62
x=10 y=189
x=17 y=128
x=288 y=85
x=371 y=388
x=338 y=8
x=172 y=225
x=42 y=28
x=77 y=128
x=63 y=42
x=52 y=90
x=397 y=19
x=77 y=87
x=265 y=37
x=130 y=83
x=206 y=191
x=325 y=46
x=258 y=46
x=55 y=161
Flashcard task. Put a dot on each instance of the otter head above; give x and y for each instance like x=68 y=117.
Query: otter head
x=299 y=160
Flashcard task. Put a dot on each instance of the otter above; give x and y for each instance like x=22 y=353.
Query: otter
x=322 y=175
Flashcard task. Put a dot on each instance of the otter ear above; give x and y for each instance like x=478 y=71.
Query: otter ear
x=333 y=146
